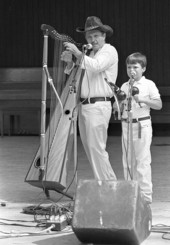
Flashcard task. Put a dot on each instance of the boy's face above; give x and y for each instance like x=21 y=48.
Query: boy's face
x=135 y=71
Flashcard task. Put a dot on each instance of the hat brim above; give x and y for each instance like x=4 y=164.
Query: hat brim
x=105 y=28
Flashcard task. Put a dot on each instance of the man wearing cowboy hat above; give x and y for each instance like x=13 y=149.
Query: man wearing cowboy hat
x=95 y=109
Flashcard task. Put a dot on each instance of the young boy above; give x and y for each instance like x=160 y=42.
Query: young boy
x=141 y=96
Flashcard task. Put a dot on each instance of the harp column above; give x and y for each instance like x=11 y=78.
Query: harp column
x=43 y=107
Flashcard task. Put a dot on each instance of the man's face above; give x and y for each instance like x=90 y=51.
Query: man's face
x=96 y=38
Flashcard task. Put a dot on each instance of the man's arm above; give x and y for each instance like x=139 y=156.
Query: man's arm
x=66 y=56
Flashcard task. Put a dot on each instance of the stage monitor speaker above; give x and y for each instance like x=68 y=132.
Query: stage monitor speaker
x=110 y=212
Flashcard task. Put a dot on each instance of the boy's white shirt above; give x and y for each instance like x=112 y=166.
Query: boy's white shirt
x=146 y=88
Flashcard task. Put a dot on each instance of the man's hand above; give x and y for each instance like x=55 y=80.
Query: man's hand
x=73 y=49
x=66 y=56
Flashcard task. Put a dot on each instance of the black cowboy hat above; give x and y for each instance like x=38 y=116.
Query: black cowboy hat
x=93 y=23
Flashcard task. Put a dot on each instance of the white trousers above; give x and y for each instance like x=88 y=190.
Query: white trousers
x=93 y=126
x=141 y=159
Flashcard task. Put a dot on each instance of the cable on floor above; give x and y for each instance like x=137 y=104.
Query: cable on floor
x=161 y=228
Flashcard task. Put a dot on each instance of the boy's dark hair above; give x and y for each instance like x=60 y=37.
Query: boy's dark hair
x=137 y=58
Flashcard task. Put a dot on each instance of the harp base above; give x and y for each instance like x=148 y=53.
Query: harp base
x=50 y=186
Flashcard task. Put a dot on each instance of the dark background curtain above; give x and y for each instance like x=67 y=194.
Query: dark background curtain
x=139 y=25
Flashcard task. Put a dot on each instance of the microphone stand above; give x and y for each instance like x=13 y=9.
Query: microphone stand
x=130 y=150
x=74 y=118
x=113 y=88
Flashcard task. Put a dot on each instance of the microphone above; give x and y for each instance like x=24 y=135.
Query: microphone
x=135 y=90
x=116 y=88
x=120 y=94
x=132 y=75
x=87 y=46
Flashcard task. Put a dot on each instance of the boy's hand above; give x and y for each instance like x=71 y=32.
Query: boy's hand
x=118 y=110
x=121 y=106
x=140 y=99
x=115 y=108
x=136 y=98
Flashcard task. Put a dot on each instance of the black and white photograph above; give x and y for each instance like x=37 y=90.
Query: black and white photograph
x=84 y=122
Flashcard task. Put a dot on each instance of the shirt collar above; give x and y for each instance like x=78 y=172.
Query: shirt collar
x=137 y=82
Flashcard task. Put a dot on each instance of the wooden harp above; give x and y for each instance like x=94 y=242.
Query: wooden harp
x=49 y=166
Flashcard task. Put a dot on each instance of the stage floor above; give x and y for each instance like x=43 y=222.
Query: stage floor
x=16 y=155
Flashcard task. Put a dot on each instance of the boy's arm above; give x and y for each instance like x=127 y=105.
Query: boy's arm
x=155 y=104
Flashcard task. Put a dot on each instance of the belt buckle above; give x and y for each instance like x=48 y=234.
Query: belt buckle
x=88 y=99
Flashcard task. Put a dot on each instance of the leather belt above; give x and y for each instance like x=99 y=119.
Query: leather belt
x=134 y=120
x=139 y=124
x=93 y=100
